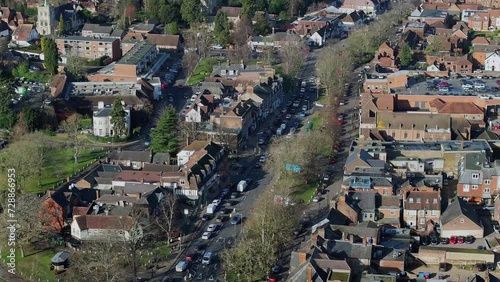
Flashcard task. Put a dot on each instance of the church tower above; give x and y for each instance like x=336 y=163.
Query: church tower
x=46 y=19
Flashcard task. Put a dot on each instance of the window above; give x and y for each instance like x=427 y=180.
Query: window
x=422 y=105
x=418 y=135
x=433 y=212
x=486 y=190
x=416 y=104
x=466 y=188
x=435 y=200
x=181 y=181
x=474 y=187
x=418 y=200
x=393 y=212
x=487 y=181
x=475 y=176
x=462 y=220
x=406 y=135
x=411 y=200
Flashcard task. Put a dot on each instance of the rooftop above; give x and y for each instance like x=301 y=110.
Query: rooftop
x=83 y=38
x=140 y=49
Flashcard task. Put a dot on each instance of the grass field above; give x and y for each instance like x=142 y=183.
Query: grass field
x=203 y=70
x=307 y=192
x=60 y=166
x=36 y=265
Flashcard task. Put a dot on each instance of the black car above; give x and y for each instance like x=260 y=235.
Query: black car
x=445 y=241
x=199 y=248
x=425 y=240
x=443 y=266
x=206 y=217
x=480 y=266
x=434 y=240
x=490 y=266
x=469 y=239
x=298 y=231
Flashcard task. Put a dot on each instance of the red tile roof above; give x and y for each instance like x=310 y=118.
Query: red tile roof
x=460 y=108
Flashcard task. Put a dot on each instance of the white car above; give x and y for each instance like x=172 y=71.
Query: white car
x=304 y=108
x=216 y=202
x=302 y=90
x=206 y=235
x=316 y=199
x=212 y=227
x=262 y=159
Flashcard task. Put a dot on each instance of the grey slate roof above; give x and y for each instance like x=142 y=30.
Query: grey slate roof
x=365 y=200
x=96 y=28
x=104 y=112
x=161 y=158
x=137 y=156
x=136 y=188
x=364 y=156
x=459 y=208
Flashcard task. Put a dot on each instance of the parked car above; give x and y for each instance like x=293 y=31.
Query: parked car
x=490 y=266
x=206 y=235
x=212 y=227
x=480 y=266
x=205 y=217
x=453 y=240
x=460 y=239
x=316 y=198
x=425 y=240
x=469 y=239
x=434 y=241
x=445 y=241
x=236 y=219
x=443 y=266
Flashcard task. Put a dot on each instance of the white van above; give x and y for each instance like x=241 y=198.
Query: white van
x=181 y=266
x=207 y=258
x=242 y=186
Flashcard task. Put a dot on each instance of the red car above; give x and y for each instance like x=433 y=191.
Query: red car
x=443 y=84
x=340 y=122
x=164 y=86
x=460 y=239
x=307 y=50
x=498 y=82
x=181 y=86
x=453 y=240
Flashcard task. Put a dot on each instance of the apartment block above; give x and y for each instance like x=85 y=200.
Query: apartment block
x=89 y=47
x=138 y=60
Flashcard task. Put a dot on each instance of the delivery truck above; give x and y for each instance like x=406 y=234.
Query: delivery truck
x=242 y=186
x=211 y=208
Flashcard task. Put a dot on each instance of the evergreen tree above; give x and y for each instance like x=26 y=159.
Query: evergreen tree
x=191 y=11
x=7 y=115
x=168 y=12
x=42 y=43
x=164 y=139
x=118 y=115
x=406 y=57
x=61 y=25
x=249 y=8
x=262 y=27
x=51 y=60
x=222 y=28
x=173 y=28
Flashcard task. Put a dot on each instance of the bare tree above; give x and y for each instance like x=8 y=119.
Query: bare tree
x=28 y=228
x=189 y=61
x=72 y=126
x=291 y=55
x=167 y=215
x=190 y=131
x=98 y=261
x=242 y=32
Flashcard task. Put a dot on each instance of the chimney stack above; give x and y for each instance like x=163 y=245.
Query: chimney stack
x=97 y=193
x=142 y=180
x=309 y=273
x=351 y=238
x=100 y=105
x=314 y=239
x=273 y=30
x=344 y=236
x=302 y=257
x=242 y=65
x=364 y=241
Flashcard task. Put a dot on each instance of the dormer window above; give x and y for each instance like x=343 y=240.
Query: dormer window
x=475 y=176
x=410 y=200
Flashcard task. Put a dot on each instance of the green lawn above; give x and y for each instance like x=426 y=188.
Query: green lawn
x=60 y=166
x=315 y=122
x=36 y=265
x=490 y=34
x=203 y=70
x=307 y=192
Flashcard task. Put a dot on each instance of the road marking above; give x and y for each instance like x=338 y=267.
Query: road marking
x=211 y=278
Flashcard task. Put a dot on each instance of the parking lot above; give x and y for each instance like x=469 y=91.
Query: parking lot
x=29 y=93
x=484 y=87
